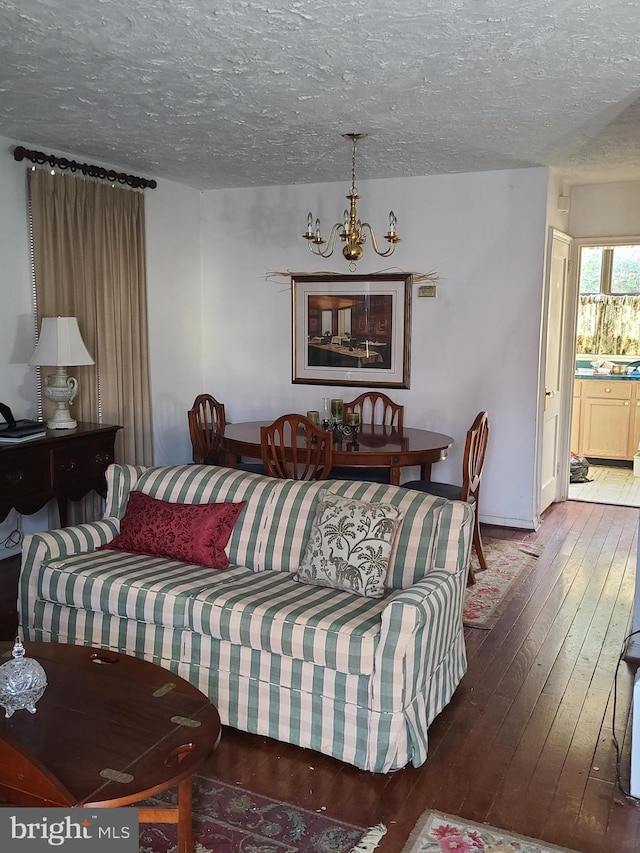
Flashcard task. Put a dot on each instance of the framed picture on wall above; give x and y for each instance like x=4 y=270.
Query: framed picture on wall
x=352 y=329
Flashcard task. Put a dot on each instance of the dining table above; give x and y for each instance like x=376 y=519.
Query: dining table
x=375 y=446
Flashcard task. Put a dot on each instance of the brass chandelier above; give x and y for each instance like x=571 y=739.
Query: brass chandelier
x=351 y=230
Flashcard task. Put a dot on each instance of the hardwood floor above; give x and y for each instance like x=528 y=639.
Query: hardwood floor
x=526 y=743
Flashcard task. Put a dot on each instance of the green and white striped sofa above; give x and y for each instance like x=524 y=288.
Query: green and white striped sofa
x=356 y=678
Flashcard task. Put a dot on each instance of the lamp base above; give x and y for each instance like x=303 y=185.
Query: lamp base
x=61 y=390
x=62 y=420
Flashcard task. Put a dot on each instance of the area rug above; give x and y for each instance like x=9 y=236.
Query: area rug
x=509 y=562
x=441 y=833
x=230 y=819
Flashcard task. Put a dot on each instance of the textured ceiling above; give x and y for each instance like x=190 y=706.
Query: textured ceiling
x=227 y=93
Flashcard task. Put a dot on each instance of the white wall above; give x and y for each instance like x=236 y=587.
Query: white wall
x=17 y=379
x=175 y=315
x=473 y=347
x=605 y=210
x=557 y=216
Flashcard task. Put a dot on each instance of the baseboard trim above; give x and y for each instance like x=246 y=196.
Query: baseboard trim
x=503 y=521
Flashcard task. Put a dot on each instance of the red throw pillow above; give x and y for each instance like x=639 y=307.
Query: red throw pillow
x=194 y=533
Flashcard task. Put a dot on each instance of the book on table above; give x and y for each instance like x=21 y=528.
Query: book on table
x=21 y=430
x=12 y=436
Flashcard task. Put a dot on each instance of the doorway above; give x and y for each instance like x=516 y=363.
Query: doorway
x=556 y=386
x=605 y=429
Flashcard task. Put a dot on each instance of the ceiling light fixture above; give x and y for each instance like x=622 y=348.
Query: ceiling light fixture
x=351 y=231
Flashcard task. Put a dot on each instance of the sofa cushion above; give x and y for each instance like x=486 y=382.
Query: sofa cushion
x=145 y=589
x=292 y=510
x=264 y=611
x=270 y=611
x=193 y=533
x=350 y=545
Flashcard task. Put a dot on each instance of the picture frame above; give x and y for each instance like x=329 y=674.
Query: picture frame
x=351 y=329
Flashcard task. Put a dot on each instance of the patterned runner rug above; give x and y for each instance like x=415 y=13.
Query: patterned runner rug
x=509 y=562
x=230 y=819
x=440 y=833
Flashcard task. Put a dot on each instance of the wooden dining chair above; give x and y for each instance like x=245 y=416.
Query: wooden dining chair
x=475 y=451
x=207 y=422
x=374 y=407
x=294 y=448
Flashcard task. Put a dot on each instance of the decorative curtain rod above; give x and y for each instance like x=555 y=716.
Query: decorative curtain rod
x=100 y=172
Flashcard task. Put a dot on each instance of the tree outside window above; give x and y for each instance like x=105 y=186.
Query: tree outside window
x=610 y=269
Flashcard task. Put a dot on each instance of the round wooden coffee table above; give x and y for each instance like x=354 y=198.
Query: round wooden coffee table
x=110 y=730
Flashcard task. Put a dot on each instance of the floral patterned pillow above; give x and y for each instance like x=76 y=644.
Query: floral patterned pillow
x=349 y=545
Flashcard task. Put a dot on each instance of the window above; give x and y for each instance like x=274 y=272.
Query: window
x=609 y=301
x=610 y=269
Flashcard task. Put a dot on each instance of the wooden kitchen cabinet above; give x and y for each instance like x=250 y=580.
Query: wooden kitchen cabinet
x=608 y=418
x=635 y=426
x=576 y=416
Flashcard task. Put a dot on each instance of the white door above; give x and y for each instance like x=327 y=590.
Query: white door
x=554 y=430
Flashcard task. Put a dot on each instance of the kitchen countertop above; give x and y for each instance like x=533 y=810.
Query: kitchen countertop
x=615 y=377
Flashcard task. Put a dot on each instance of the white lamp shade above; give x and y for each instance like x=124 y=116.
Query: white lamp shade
x=60 y=343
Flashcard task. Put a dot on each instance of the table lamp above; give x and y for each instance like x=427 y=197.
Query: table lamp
x=60 y=344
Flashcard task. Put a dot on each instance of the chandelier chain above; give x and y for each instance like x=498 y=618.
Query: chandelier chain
x=351 y=231
x=354 y=190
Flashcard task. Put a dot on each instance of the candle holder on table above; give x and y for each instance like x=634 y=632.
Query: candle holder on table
x=326 y=420
x=348 y=431
x=336 y=411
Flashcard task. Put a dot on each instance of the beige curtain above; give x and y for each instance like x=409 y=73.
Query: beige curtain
x=89 y=260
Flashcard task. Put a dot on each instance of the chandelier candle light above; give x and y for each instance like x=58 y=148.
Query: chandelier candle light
x=351 y=231
x=60 y=344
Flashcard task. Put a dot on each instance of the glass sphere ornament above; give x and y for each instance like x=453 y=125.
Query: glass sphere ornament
x=22 y=682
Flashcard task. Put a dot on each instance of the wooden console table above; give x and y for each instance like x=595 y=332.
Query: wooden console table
x=64 y=465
